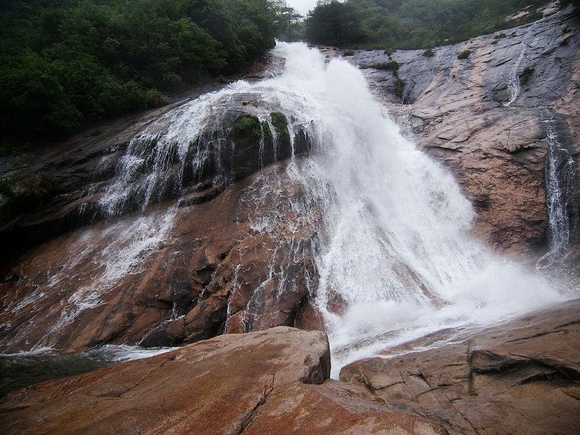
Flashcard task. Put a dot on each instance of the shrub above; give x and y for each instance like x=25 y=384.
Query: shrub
x=399 y=87
x=25 y=193
x=526 y=75
x=464 y=54
x=429 y=53
x=391 y=65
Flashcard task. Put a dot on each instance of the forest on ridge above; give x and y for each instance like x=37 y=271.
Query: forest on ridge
x=409 y=24
x=64 y=63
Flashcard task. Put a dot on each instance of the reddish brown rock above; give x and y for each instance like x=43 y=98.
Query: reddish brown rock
x=206 y=269
x=274 y=381
x=520 y=377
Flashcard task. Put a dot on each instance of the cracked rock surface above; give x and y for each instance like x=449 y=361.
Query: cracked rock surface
x=522 y=377
x=273 y=381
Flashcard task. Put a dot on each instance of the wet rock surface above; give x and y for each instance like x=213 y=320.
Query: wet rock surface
x=459 y=111
x=240 y=263
x=234 y=242
x=85 y=168
x=520 y=377
x=274 y=381
x=230 y=252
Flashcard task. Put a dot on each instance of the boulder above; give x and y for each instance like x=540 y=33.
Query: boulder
x=274 y=381
x=520 y=377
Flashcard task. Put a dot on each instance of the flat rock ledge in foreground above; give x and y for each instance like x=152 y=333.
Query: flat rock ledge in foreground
x=522 y=377
x=269 y=382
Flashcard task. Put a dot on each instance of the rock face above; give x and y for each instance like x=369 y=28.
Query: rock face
x=209 y=235
x=201 y=270
x=461 y=111
x=521 y=377
x=193 y=233
x=267 y=382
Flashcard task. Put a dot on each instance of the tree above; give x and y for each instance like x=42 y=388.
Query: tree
x=334 y=23
x=66 y=62
x=288 y=22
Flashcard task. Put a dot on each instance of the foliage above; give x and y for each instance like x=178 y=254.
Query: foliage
x=247 y=127
x=280 y=123
x=336 y=24
x=391 y=65
x=289 y=23
x=526 y=75
x=25 y=193
x=429 y=53
x=404 y=24
x=66 y=62
x=464 y=54
x=399 y=87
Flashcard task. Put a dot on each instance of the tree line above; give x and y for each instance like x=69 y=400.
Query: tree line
x=409 y=24
x=64 y=63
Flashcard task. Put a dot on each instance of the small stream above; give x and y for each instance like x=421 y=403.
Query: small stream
x=27 y=368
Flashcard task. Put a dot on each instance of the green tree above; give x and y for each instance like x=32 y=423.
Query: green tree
x=336 y=24
x=66 y=62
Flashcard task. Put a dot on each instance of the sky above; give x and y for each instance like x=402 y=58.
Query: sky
x=302 y=6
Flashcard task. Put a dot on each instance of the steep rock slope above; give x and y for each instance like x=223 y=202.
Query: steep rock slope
x=484 y=108
x=165 y=278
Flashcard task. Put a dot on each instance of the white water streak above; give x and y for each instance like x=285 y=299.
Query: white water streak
x=559 y=193
x=128 y=243
x=513 y=83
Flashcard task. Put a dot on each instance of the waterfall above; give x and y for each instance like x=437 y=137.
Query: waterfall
x=393 y=252
x=395 y=257
x=559 y=181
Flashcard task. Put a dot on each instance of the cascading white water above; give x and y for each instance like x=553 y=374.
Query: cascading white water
x=513 y=82
x=559 y=194
x=394 y=255
x=395 y=250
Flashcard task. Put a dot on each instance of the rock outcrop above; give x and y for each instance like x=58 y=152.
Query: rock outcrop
x=460 y=110
x=236 y=253
x=520 y=377
x=175 y=277
x=226 y=243
x=267 y=382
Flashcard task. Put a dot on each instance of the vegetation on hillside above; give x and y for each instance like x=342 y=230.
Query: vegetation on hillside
x=66 y=62
x=406 y=24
